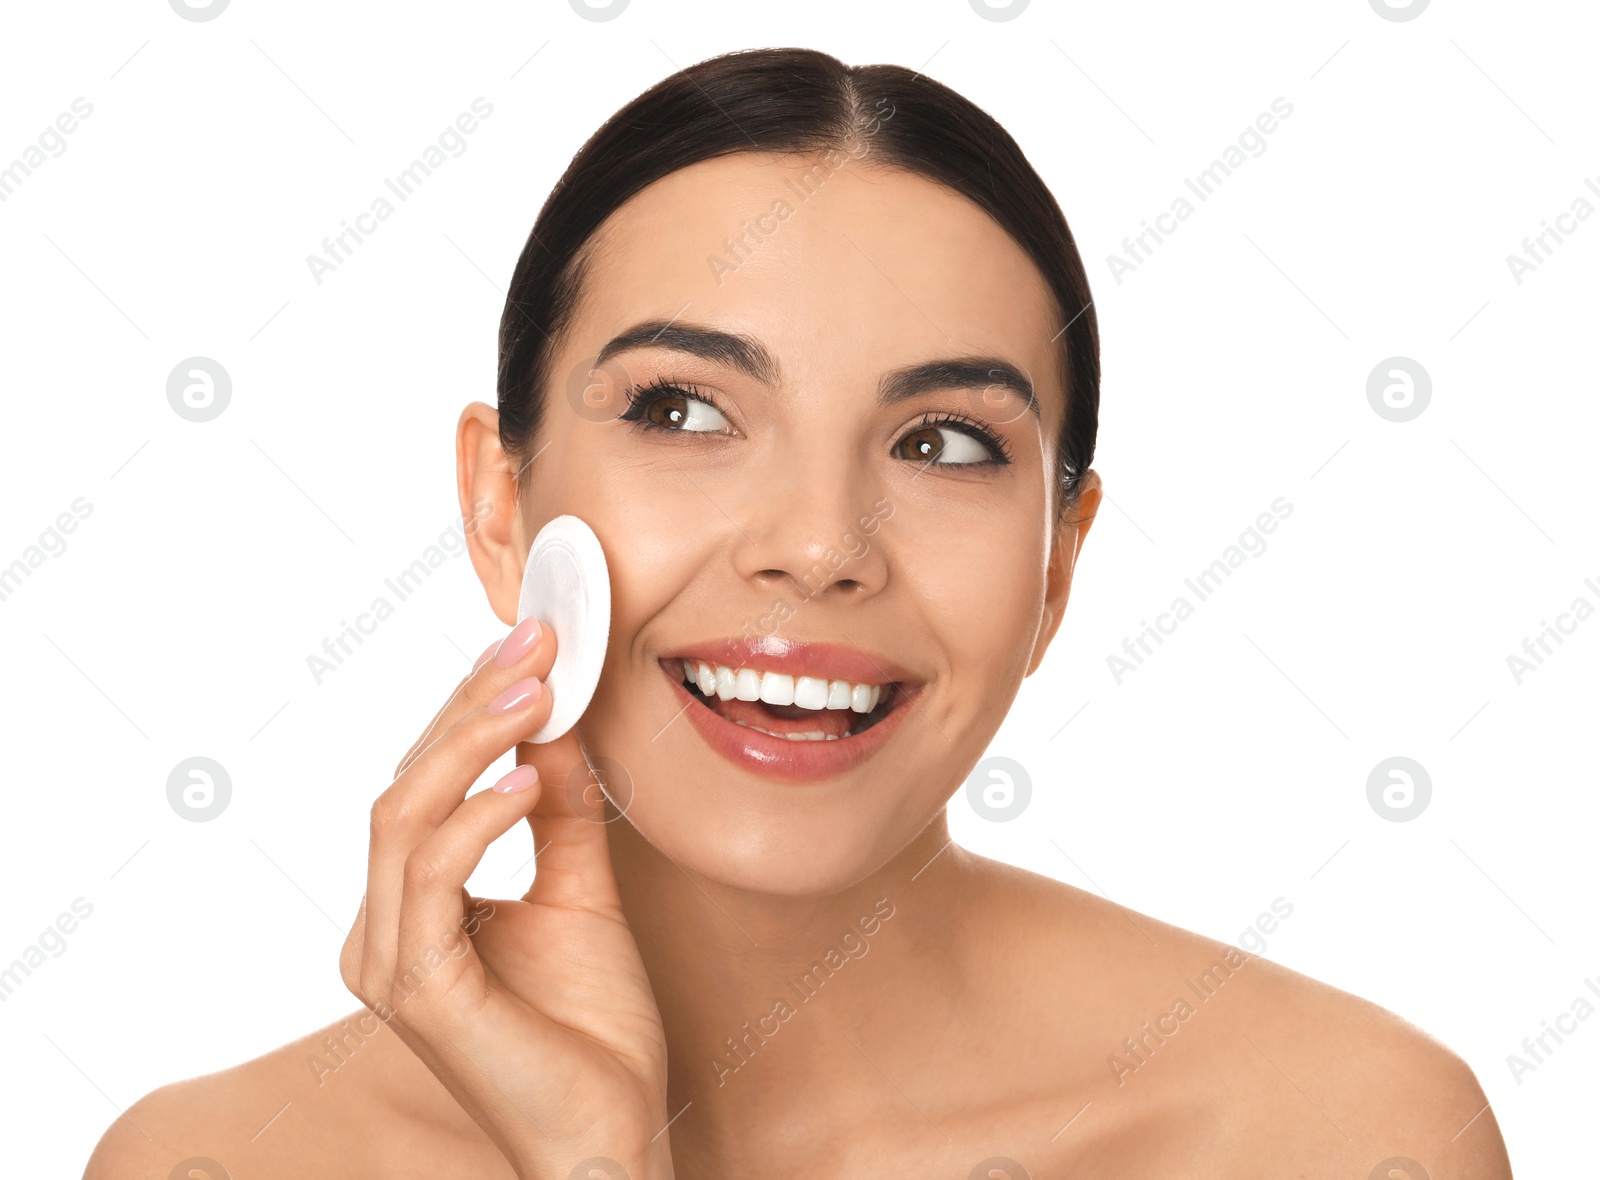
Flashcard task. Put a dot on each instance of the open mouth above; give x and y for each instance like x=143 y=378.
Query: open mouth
x=795 y=708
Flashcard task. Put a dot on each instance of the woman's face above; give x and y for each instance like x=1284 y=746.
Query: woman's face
x=807 y=502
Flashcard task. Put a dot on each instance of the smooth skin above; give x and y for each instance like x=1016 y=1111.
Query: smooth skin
x=592 y=1017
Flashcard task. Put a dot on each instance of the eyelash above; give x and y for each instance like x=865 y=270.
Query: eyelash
x=641 y=397
x=1000 y=453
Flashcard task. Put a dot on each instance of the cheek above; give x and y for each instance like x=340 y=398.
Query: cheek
x=981 y=594
x=654 y=539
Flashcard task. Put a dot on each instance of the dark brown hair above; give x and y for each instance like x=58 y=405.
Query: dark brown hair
x=803 y=102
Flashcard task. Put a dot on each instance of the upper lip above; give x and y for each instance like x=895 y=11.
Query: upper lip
x=829 y=661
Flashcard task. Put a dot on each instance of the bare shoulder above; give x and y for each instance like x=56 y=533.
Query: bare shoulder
x=347 y=1100
x=1389 y=1089
x=1198 y=1049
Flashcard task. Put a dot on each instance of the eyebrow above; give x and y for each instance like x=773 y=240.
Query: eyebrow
x=750 y=357
x=982 y=372
x=743 y=353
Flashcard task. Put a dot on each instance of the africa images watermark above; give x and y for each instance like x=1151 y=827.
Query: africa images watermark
x=455 y=945
x=753 y=235
x=1251 y=543
x=856 y=545
x=1141 y=1048
x=450 y=543
x=1565 y=1022
x=51 y=543
x=1139 y=248
x=1538 y=248
x=1536 y=647
x=338 y=248
x=52 y=940
x=853 y=945
x=51 y=143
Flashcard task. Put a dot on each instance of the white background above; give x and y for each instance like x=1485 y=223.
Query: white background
x=1227 y=771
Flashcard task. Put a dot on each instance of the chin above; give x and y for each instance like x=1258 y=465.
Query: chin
x=776 y=853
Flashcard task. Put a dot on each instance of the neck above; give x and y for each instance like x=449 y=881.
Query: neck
x=770 y=1002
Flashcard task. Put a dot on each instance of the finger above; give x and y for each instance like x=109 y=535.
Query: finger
x=528 y=650
x=351 y=952
x=424 y=796
x=432 y=728
x=530 y=643
x=572 y=857
x=432 y=946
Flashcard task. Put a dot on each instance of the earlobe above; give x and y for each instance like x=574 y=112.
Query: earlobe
x=1041 y=642
x=486 y=485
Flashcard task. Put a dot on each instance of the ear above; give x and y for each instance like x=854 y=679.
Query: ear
x=486 y=483
x=1068 y=544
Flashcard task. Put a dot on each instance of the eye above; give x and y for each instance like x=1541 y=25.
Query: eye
x=951 y=442
x=664 y=406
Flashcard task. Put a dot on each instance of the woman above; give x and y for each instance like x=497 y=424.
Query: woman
x=812 y=350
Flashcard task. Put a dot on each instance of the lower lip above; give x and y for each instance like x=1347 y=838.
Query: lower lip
x=780 y=758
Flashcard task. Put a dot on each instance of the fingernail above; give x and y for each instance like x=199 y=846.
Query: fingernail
x=519 y=696
x=487 y=652
x=516 y=645
x=519 y=779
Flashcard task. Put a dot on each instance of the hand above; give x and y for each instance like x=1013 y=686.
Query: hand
x=537 y=1014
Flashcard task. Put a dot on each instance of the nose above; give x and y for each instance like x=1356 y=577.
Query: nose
x=813 y=533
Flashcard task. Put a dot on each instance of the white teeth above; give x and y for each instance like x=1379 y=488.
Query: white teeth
x=811 y=693
x=778 y=688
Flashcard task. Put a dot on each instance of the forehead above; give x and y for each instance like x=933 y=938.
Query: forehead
x=841 y=267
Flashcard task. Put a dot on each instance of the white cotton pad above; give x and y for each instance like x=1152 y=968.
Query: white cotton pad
x=566 y=585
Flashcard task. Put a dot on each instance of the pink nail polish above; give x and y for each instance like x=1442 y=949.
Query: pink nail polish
x=519 y=696
x=519 y=779
x=487 y=652
x=516 y=645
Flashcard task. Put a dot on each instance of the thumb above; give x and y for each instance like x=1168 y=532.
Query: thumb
x=561 y=765
x=572 y=856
